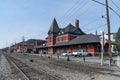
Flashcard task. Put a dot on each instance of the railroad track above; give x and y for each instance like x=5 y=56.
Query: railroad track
x=81 y=67
x=29 y=72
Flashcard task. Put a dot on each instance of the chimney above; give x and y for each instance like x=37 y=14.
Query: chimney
x=77 y=23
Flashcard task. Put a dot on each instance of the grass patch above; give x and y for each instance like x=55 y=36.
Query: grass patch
x=108 y=57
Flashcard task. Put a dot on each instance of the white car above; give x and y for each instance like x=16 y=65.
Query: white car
x=66 y=54
x=80 y=53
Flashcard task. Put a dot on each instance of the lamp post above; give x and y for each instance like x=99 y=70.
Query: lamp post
x=102 y=46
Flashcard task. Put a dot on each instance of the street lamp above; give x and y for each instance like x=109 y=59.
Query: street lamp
x=102 y=41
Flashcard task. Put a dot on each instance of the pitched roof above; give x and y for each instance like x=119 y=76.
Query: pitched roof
x=69 y=29
x=33 y=41
x=30 y=42
x=83 y=39
x=54 y=27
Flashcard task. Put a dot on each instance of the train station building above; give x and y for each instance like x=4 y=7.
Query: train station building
x=70 y=39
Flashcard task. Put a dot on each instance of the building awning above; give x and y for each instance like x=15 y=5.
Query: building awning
x=61 y=44
x=41 y=46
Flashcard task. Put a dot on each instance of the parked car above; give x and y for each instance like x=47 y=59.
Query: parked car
x=80 y=53
x=66 y=54
x=116 y=52
x=76 y=54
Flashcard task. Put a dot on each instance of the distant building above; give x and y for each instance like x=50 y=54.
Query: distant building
x=28 y=46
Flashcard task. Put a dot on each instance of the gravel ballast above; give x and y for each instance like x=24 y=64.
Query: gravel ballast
x=5 y=70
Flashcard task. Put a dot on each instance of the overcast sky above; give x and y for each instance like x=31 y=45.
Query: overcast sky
x=32 y=18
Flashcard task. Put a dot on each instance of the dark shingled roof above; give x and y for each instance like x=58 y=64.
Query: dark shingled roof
x=33 y=41
x=69 y=29
x=72 y=30
x=83 y=39
x=54 y=27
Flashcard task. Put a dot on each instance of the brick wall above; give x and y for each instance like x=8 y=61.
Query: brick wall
x=51 y=40
x=65 y=38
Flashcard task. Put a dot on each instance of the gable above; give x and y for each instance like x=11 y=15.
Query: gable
x=78 y=31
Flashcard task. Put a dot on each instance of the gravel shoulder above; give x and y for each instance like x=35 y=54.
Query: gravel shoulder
x=6 y=73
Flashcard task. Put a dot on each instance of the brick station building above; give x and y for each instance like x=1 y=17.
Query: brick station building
x=70 y=39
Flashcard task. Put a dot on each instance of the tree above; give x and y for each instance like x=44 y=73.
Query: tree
x=118 y=40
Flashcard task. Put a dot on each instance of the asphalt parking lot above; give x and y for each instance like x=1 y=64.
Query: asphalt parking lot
x=88 y=59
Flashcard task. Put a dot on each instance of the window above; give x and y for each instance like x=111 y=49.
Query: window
x=62 y=38
x=50 y=49
x=50 y=39
x=79 y=48
x=58 y=39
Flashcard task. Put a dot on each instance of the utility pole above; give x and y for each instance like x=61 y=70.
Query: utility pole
x=109 y=37
x=108 y=24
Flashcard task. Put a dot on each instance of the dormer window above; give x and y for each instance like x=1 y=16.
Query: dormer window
x=59 y=33
x=62 y=32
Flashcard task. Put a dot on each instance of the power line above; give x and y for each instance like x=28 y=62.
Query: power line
x=93 y=21
x=83 y=12
x=115 y=4
x=92 y=29
x=74 y=5
x=74 y=11
x=108 y=7
x=97 y=27
x=119 y=1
